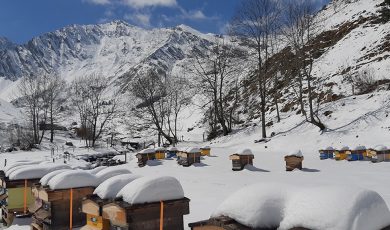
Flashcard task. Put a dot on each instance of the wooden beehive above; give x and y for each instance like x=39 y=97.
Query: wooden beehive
x=205 y=151
x=147 y=216
x=160 y=153
x=92 y=206
x=188 y=158
x=52 y=208
x=144 y=157
x=293 y=162
x=16 y=197
x=240 y=160
x=326 y=154
x=379 y=155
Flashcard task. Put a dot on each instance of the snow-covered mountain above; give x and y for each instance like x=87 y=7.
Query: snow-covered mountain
x=111 y=49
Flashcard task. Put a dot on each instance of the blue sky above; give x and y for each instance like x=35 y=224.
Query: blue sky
x=21 y=20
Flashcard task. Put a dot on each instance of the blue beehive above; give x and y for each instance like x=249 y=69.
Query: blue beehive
x=171 y=152
x=327 y=153
x=357 y=154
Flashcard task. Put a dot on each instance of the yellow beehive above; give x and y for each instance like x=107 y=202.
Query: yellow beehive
x=205 y=151
x=96 y=223
x=160 y=153
x=342 y=154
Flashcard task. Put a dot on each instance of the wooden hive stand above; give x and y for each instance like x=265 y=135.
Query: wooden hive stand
x=148 y=216
x=58 y=209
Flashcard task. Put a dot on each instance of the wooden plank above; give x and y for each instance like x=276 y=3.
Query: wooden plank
x=90 y=207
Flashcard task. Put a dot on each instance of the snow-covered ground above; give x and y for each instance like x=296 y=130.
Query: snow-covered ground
x=359 y=120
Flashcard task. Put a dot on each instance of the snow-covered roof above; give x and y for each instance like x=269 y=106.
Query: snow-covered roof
x=360 y=147
x=173 y=149
x=205 y=147
x=146 y=151
x=45 y=179
x=151 y=189
x=297 y=153
x=160 y=149
x=36 y=171
x=380 y=148
x=112 y=171
x=321 y=207
x=110 y=187
x=17 y=165
x=192 y=150
x=245 y=152
x=329 y=148
x=344 y=148
x=73 y=179
x=96 y=170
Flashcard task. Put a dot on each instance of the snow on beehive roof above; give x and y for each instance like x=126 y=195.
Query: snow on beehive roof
x=245 y=152
x=149 y=150
x=380 y=148
x=151 y=189
x=360 y=147
x=45 y=179
x=345 y=148
x=329 y=148
x=36 y=171
x=205 y=147
x=297 y=153
x=96 y=170
x=192 y=150
x=110 y=187
x=287 y=206
x=17 y=165
x=160 y=149
x=73 y=179
x=173 y=149
x=111 y=171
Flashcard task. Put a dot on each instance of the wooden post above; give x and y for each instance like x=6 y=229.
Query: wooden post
x=71 y=210
x=25 y=197
x=161 y=215
x=5 y=162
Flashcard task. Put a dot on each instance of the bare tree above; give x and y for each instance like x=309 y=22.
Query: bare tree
x=32 y=94
x=55 y=87
x=96 y=105
x=301 y=29
x=218 y=74
x=258 y=20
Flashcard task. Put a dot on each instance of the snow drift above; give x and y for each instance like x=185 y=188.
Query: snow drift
x=285 y=207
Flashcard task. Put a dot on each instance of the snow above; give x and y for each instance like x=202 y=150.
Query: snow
x=111 y=171
x=36 y=171
x=73 y=179
x=110 y=187
x=150 y=189
x=146 y=151
x=297 y=153
x=46 y=178
x=246 y=152
x=380 y=148
x=18 y=164
x=96 y=170
x=344 y=148
x=159 y=149
x=192 y=150
x=360 y=147
x=173 y=149
x=266 y=205
x=329 y=148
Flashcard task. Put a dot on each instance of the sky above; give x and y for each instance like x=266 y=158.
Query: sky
x=21 y=20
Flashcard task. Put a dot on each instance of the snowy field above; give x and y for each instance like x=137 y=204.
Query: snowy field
x=208 y=184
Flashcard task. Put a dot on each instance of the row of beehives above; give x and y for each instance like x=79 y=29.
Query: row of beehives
x=360 y=153
x=61 y=199
x=243 y=158
x=184 y=156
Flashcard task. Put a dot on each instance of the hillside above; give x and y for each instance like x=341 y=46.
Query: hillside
x=352 y=42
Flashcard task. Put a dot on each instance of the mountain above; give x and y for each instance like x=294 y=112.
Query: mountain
x=111 y=49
